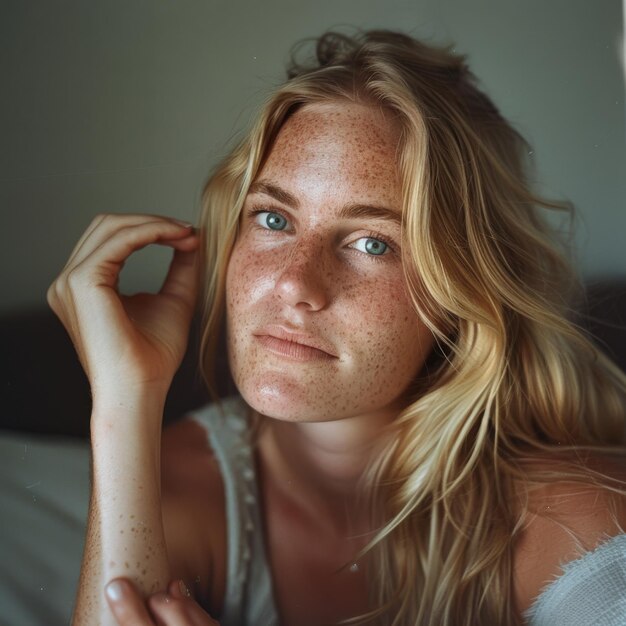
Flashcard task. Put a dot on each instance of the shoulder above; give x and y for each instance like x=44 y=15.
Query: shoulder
x=590 y=590
x=193 y=506
x=563 y=521
x=186 y=449
x=191 y=446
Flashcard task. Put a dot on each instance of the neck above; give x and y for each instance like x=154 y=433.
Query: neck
x=319 y=466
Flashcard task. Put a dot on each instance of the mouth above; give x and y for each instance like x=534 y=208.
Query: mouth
x=295 y=346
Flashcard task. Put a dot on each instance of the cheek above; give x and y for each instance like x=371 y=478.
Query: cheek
x=246 y=280
x=390 y=335
x=238 y=277
x=377 y=301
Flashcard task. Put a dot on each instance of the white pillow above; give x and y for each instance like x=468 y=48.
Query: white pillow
x=44 y=497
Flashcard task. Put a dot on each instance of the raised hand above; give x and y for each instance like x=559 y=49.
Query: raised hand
x=126 y=341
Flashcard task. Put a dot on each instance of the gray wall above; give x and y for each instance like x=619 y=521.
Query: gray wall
x=124 y=105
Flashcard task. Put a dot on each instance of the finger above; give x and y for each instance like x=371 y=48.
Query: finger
x=178 y=589
x=174 y=231
x=171 y=610
x=79 y=244
x=170 y=233
x=106 y=224
x=182 y=277
x=103 y=226
x=126 y=604
x=103 y=264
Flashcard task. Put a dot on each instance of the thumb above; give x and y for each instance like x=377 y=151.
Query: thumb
x=183 y=276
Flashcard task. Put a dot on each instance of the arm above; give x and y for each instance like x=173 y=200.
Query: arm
x=125 y=530
x=129 y=347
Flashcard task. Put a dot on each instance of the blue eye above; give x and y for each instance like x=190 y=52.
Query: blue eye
x=272 y=221
x=369 y=245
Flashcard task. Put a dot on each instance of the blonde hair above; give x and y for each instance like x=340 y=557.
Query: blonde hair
x=511 y=379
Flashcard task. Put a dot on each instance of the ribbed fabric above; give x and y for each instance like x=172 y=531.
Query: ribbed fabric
x=590 y=592
x=248 y=600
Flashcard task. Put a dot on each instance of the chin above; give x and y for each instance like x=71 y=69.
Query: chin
x=287 y=400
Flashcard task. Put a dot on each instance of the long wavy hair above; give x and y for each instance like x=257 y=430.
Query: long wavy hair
x=512 y=378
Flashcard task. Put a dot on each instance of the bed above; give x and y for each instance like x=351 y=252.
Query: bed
x=44 y=449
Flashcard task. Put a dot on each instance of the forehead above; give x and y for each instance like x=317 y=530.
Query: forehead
x=353 y=145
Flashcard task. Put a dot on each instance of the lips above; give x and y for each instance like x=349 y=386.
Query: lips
x=296 y=346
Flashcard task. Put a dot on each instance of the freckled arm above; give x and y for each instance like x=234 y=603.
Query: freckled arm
x=125 y=534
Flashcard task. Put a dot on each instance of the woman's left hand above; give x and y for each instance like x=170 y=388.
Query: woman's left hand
x=175 y=607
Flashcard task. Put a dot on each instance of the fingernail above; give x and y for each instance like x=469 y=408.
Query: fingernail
x=161 y=597
x=115 y=591
x=184 y=589
x=183 y=223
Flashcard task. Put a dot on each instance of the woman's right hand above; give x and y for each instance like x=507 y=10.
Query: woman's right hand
x=127 y=343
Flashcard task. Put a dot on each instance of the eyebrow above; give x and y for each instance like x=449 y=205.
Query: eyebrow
x=353 y=210
x=261 y=186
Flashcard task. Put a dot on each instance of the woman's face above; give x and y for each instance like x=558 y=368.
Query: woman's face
x=319 y=323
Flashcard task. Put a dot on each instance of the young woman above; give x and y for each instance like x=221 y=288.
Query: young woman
x=421 y=437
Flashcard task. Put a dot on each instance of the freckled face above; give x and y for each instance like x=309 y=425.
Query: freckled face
x=319 y=323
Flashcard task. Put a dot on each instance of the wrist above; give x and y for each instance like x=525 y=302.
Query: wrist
x=129 y=400
x=126 y=412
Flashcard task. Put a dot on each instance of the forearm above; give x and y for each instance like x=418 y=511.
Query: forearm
x=125 y=528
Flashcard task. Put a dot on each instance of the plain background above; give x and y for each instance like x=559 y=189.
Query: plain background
x=125 y=105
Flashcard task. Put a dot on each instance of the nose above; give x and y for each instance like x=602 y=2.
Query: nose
x=302 y=281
